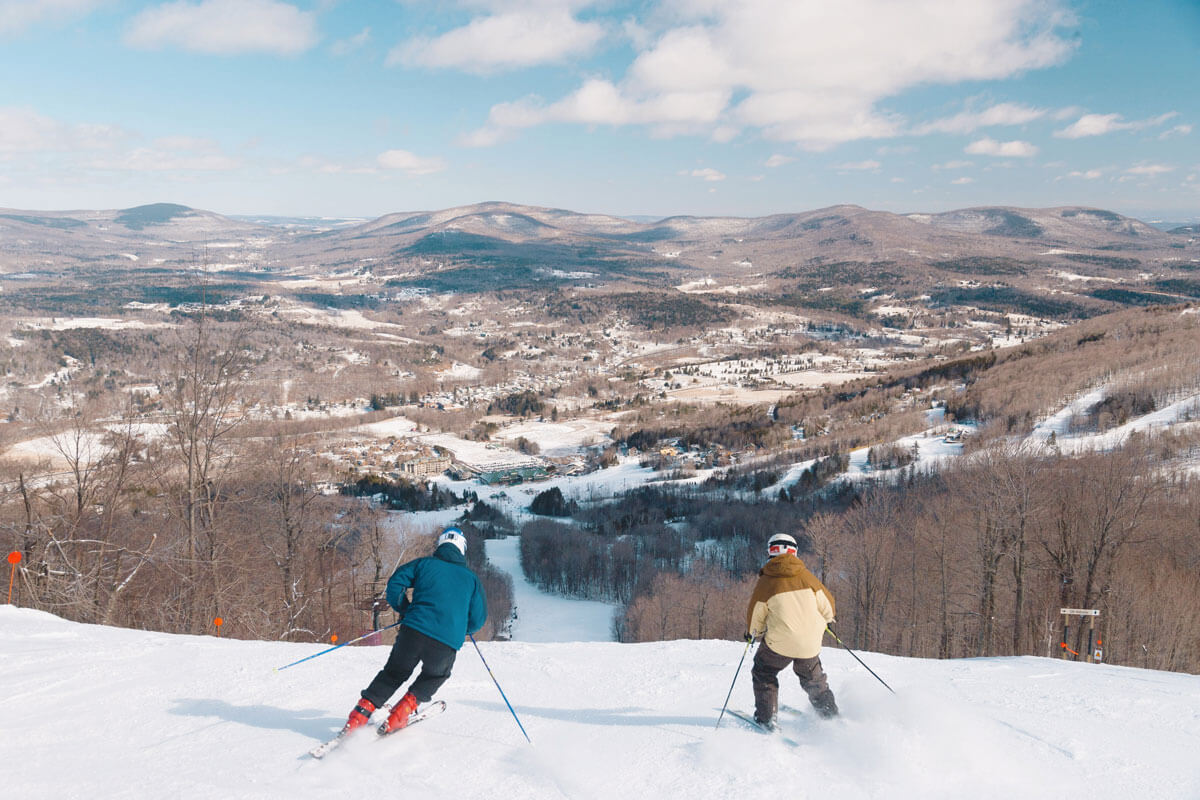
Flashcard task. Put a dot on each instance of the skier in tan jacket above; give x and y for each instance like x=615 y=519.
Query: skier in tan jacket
x=789 y=609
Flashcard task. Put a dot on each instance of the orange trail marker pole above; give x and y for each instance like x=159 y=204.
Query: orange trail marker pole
x=218 y=621
x=14 y=558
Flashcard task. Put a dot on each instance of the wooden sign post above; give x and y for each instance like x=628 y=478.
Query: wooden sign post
x=1091 y=614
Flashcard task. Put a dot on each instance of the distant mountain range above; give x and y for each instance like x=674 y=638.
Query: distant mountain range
x=829 y=257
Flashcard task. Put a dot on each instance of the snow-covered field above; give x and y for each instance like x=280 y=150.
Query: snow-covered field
x=93 y=712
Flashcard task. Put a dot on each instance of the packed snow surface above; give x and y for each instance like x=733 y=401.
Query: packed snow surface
x=95 y=712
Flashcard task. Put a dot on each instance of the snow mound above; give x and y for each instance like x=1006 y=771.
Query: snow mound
x=103 y=712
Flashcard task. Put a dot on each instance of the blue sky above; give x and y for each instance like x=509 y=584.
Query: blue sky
x=659 y=107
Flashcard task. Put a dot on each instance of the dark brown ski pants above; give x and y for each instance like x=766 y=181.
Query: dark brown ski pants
x=767 y=665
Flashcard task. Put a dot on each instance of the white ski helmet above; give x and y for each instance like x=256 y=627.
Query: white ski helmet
x=781 y=543
x=455 y=537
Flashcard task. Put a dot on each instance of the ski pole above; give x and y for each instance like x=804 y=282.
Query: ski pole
x=489 y=672
x=859 y=660
x=335 y=647
x=735 y=676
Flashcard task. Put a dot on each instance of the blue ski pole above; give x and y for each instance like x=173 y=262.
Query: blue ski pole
x=489 y=671
x=335 y=647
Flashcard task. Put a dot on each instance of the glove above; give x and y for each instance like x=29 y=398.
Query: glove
x=748 y=637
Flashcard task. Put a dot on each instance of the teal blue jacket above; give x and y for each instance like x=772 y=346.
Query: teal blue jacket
x=447 y=601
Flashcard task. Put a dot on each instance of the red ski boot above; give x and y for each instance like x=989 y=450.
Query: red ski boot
x=360 y=716
x=400 y=714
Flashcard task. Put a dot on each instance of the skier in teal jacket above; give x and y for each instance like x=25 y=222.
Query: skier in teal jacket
x=446 y=603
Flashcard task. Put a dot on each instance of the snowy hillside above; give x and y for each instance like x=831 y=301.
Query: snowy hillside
x=100 y=712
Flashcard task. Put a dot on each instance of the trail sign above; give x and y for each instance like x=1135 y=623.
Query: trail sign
x=1081 y=612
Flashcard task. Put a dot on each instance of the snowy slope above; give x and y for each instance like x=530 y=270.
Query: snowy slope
x=93 y=712
x=544 y=617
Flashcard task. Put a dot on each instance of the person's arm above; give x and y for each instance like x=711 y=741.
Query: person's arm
x=477 y=611
x=398 y=584
x=756 y=612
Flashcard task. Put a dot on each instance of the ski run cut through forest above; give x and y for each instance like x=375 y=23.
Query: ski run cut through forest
x=102 y=712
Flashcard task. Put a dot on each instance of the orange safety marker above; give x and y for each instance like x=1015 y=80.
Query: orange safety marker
x=14 y=558
x=333 y=639
x=218 y=621
x=1063 y=645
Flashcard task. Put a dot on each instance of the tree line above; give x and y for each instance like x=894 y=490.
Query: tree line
x=204 y=520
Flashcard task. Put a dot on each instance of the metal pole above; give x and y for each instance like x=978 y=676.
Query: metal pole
x=859 y=660
x=335 y=647
x=735 y=676
x=489 y=672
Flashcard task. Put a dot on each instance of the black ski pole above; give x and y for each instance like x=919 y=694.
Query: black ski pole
x=735 y=676
x=859 y=660
x=489 y=671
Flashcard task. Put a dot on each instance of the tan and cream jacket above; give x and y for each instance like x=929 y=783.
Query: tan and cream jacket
x=789 y=608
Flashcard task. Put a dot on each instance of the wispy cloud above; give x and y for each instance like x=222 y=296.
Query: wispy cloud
x=351 y=43
x=859 y=166
x=1149 y=170
x=954 y=165
x=225 y=27
x=778 y=160
x=962 y=181
x=970 y=121
x=793 y=72
x=1101 y=124
x=707 y=173
x=18 y=15
x=511 y=38
x=1178 y=130
x=151 y=159
x=410 y=163
x=24 y=130
x=1090 y=174
x=991 y=147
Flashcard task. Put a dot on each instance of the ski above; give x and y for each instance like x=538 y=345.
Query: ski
x=325 y=748
x=753 y=723
x=431 y=710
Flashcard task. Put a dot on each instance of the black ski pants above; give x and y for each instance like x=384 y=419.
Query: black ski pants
x=768 y=664
x=412 y=648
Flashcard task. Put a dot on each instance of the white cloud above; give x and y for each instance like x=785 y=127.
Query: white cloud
x=707 y=173
x=991 y=147
x=1091 y=174
x=778 y=160
x=17 y=15
x=1178 y=130
x=1150 y=170
x=970 y=121
x=962 y=181
x=954 y=165
x=409 y=163
x=600 y=102
x=1101 y=124
x=225 y=27
x=150 y=159
x=810 y=73
x=864 y=166
x=351 y=43
x=23 y=130
x=509 y=39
